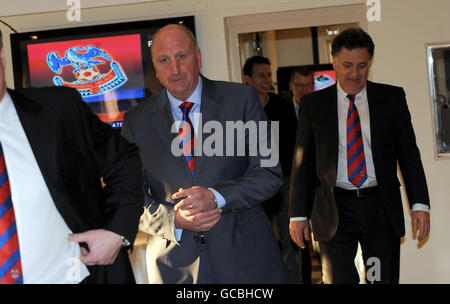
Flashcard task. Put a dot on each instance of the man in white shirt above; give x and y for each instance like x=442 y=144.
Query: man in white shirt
x=350 y=138
x=70 y=229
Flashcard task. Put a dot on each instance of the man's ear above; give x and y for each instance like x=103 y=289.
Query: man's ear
x=334 y=62
x=198 y=53
x=248 y=80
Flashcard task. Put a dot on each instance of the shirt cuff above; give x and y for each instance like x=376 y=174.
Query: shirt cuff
x=178 y=232
x=420 y=207
x=221 y=202
x=299 y=218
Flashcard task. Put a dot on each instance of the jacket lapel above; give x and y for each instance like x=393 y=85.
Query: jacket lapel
x=374 y=113
x=161 y=119
x=332 y=124
x=37 y=128
x=209 y=111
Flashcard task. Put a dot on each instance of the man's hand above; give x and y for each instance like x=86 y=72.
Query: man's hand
x=104 y=246
x=197 y=220
x=197 y=210
x=420 y=221
x=196 y=199
x=300 y=232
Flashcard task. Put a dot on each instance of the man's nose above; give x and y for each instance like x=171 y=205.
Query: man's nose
x=355 y=72
x=175 y=67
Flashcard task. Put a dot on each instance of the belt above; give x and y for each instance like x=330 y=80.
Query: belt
x=361 y=192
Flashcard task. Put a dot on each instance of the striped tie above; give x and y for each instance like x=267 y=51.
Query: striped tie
x=356 y=162
x=186 y=136
x=10 y=267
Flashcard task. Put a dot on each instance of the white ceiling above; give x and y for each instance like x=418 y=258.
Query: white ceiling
x=23 y=7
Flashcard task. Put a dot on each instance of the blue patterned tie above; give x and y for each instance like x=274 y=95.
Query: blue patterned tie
x=10 y=266
x=356 y=162
x=186 y=136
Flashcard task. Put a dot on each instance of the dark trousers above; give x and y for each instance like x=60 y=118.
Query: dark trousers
x=297 y=261
x=362 y=220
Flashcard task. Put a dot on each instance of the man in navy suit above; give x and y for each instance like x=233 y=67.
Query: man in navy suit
x=344 y=179
x=204 y=218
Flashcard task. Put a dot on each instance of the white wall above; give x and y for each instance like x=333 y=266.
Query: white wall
x=400 y=59
x=400 y=38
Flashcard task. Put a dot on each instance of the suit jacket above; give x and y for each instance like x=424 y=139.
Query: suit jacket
x=74 y=149
x=280 y=109
x=241 y=247
x=393 y=141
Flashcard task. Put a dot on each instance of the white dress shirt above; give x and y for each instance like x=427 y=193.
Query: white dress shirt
x=47 y=255
x=342 y=181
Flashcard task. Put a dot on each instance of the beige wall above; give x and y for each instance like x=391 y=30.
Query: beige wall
x=400 y=38
x=294 y=47
x=400 y=59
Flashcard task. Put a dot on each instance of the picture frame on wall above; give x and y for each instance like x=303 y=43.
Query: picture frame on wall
x=438 y=59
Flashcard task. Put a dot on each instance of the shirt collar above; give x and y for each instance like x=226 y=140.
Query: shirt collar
x=343 y=95
x=5 y=104
x=296 y=105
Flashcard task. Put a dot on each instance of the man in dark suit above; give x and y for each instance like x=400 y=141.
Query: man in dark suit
x=301 y=83
x=258 y=74
x=204 y=218
x=350 y=138
x=70 y=228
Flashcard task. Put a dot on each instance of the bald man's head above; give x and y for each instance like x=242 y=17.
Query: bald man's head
x=177 y=60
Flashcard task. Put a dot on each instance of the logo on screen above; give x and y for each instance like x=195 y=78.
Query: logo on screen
x=90 y=80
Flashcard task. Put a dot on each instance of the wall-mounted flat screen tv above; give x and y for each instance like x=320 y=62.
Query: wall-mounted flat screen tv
x=109 y=65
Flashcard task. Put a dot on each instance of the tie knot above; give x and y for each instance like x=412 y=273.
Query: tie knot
x=351 y=97
x=186 y=106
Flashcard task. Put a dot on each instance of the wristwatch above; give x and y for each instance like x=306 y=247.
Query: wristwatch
x=125 y=242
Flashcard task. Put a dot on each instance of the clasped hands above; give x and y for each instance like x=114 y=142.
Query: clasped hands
x=196 y=211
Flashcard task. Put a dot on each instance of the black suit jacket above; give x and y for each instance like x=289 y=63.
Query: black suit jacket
x=74 y=149
x=280 y=109
x=393 y=141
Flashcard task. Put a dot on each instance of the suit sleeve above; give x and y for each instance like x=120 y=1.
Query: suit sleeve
x=408 y=154
x=303 y=175
x=263 y=176
x=119 y=165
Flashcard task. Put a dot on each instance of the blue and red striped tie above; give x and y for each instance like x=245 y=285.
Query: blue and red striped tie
x=356 y=161
x=186 y=136
x=10 y=266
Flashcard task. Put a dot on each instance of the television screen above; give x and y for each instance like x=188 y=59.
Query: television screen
x=324 y=76
x=324 y=79
x=109 y=65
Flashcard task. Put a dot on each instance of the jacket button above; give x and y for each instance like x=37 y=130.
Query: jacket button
x=196 y=238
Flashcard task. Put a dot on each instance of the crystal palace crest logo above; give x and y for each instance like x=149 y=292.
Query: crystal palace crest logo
x=90 y=82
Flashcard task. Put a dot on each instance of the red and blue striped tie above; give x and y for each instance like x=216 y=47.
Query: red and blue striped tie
x=10 y=266
x=186 y=136
x=356 y=161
